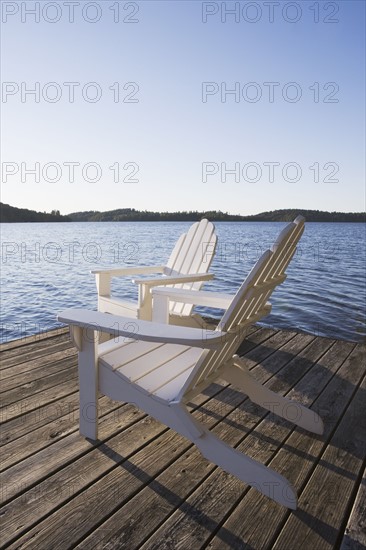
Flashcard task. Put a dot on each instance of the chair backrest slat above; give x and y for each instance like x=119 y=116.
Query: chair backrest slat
x=193 y=253
x=248 y=304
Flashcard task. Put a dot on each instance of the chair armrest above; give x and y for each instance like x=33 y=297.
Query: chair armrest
x=141 y=330
x=103 y=276
x=137 y=270
x=197 y=297
x=175 y=279
x=162 y=296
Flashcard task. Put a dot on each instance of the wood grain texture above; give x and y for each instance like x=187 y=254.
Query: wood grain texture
x=297 y=455
x=143 y=486
x=355 y=533
x=36 y=340
x=21 y=361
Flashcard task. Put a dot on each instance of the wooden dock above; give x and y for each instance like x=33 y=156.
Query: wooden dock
x=143 y=486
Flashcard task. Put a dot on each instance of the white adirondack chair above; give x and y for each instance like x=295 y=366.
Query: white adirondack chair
x=187 y=267
x=160 y=367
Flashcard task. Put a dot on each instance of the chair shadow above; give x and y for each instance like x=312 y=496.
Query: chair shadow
x=239 y=420
x=300 y=366
x=173 y=499
x=332 y=415
x=327 y=532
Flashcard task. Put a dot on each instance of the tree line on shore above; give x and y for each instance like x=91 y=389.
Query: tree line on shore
x=11 y=214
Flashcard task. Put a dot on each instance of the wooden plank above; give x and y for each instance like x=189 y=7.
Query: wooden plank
x=49 y=460
x=36 y=401
x=334 y=475
x=26 y=361
x=277 y=350
x=31 y=389
x=31 y=418
x=214 y=500
x=255 y=339
x=64 y=485
x=355 y=532
x=46 y=435
x=34 y=419
x=38 y=349
x=33 y=339
x=298 y=455
x=298 y=363
x=259 y=349
x=172 y=488
x=134 y=519
x=30 y=507
x=51 y=365
x=122 y=507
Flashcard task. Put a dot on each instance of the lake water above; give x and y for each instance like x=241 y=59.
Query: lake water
x=45 y=269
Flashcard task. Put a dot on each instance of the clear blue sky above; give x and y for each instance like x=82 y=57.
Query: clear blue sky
x=175 y=127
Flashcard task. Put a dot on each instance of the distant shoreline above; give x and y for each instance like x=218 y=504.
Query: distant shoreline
x=11 y=214
x=188 y=221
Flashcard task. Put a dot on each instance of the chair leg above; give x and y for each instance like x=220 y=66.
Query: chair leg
x=88 y=385
x=238 y=375
x=264 y=479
